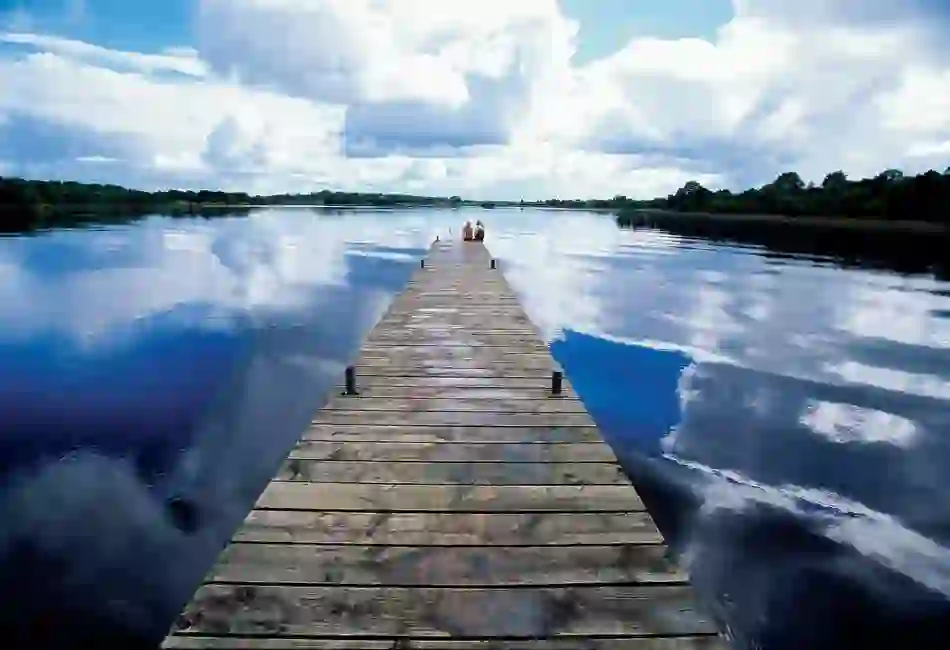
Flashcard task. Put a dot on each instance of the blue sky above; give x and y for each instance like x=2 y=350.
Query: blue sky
x=488 y=98
x=605 y=25
x=141 y=25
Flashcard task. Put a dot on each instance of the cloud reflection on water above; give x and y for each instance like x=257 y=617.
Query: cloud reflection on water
x=183 y=357
x=172 y=358
x=804 y=389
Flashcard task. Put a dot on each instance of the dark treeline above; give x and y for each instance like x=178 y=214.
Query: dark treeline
x=904 y=250
x=30 y=205
x=889 y=196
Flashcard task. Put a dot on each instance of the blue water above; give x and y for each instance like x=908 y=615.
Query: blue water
x=786 y=419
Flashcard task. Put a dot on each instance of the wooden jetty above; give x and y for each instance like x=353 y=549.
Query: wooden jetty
x=462 y=499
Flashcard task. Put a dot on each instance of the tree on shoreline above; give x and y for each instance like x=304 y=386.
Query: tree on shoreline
x=890 y=195
x=31 y=204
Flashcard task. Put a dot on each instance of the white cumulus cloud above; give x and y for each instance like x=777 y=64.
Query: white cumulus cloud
x=483 y=99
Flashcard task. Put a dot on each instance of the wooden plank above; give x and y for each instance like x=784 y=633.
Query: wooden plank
x=454 y=343
x=448 y=342
x=379 y=389
x=462 y=300
x=452 y=473
x=528 y=334
x=450 y=498
x=540 y=376
x=443 y=612
x=452 y=387
x=441 y=566
x=520 y=366
x=181 y=642
x=490 y=288
x=417 y=404
x=456 y=337
x=477 y=434
x=445 y=357
x=535 y=381
x=482 y=319
x=454 y=295
x=437 y=528
x=454 y=418
x=436 y=310
x=454 y=468
x=438 y=452
x=694 y=642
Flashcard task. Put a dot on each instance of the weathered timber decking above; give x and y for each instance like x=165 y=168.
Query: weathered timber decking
x=455 y=503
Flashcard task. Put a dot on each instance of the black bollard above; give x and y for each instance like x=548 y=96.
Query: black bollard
x=556 y=378
x=183 y=513
x=350 y=390
x=493 y=264
x=422 y=263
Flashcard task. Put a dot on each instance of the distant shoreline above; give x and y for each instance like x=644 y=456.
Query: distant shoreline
x=642 y=216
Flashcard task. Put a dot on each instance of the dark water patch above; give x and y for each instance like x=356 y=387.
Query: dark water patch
x=629 y=390
x=151 y=386
x=15 y=220
x=128 y=397
x=899 y=251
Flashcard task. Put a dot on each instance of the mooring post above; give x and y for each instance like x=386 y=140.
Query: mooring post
x=557 y=377
x=493 y=263
x=350 y=390
x=422 y=263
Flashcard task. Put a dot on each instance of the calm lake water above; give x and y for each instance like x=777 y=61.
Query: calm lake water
x=786 y=418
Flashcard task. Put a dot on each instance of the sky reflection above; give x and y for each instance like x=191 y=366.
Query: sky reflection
x=808 y=396
x=173 y=359
x=773 y=409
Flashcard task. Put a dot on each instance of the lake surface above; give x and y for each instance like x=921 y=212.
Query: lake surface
x=786 y=418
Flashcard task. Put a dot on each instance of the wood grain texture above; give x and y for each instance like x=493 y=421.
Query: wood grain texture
x=460 y=337
x=483 y=319
x=476 y=434
x=536 y=381
x=457 y=338
x=449 y=498
x=451 y=472
x=379 y=389
x=443 y=612
x=441 y=404
x=454 y=504
x=439 y=528
x=501 y=360
x=694 y=642
x=454 y=418
x=441 y=566
x=447 y=452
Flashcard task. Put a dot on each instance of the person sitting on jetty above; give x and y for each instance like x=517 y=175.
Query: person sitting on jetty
x=479 y=231
x=468 y=233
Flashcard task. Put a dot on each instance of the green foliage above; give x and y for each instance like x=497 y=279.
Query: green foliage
x=30 y=205
x=888 y=196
